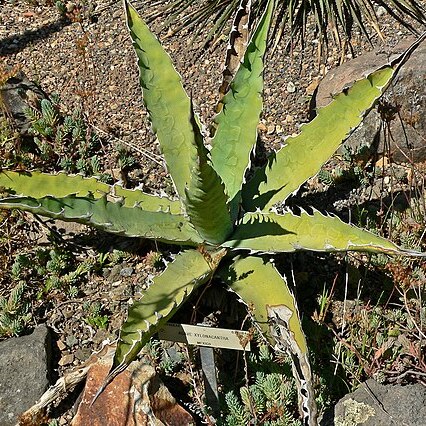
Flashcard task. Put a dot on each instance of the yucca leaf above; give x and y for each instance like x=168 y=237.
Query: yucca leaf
x=262 y=288
x=111 y=217
x=236 y=124
x=168 y=104
x=291 y=23
x=39 y=185
x=161 y=300
x=274 y=233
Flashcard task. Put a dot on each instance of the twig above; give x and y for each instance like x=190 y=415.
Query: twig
x=411 y=317
x=141 y=151
x=406 y=373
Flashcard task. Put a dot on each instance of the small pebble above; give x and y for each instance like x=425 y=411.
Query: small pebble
x=289 y=119
x=291 y=88
x=68 y=312
x=381 y=11
x=82 y=354
x=270 y=129
x=70 y=7
x=66 y=359
x=126 y=272
x=71 y=340
x=261 y=127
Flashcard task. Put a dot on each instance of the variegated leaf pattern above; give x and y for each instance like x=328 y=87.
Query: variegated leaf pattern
x=130 y=213
x=168 y=105
x=236 y=131
x=111 y=217
x=38 y=185
x=254 y=280
x=206 y=202
x=288 y=169
x=275 y=233
x=165 y=295
x=206 y=207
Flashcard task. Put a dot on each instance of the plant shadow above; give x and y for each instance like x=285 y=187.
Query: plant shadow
x=15 y=43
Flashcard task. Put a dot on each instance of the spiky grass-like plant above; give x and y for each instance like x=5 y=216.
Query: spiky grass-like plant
x=335 y=16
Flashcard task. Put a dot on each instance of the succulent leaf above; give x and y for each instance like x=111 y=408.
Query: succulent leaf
x=162 y=299
x=206 y=206
x=111 y=217
x=168 y=105
x=237 y=45
x=274 y=233
x=303 y=155
x=255 y=281
x=206 y=201
x=236 y=124
x=39 y=185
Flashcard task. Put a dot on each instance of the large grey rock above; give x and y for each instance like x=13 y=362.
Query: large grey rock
x=24 y=367
x=373 y=404
x=405 y=100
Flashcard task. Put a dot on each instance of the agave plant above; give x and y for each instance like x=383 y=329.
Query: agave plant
x=224 y=224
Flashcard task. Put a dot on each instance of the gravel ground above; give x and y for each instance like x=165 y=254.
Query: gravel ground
x=91 y=64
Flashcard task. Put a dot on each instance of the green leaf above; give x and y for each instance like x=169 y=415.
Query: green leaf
x=274 y=233
x=206 y=201
x=163 y=298
x=206 y=206
x=236 y=132
x=111 y=217
x=261 y=287
x=168 y=105
x=255 y=280
x=303 y=155
x=39 y=185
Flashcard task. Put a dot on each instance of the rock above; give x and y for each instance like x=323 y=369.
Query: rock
x=270 y=129
x=404 y=103
x=17 y=94
x=291 y=88
x=24 y=371
x=135 y=397
x=374 y=404
x=126 y=272
x=82 y=354
x=66 y=359
x=71 y=340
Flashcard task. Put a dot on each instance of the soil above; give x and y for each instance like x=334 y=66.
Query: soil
x=90 y=62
